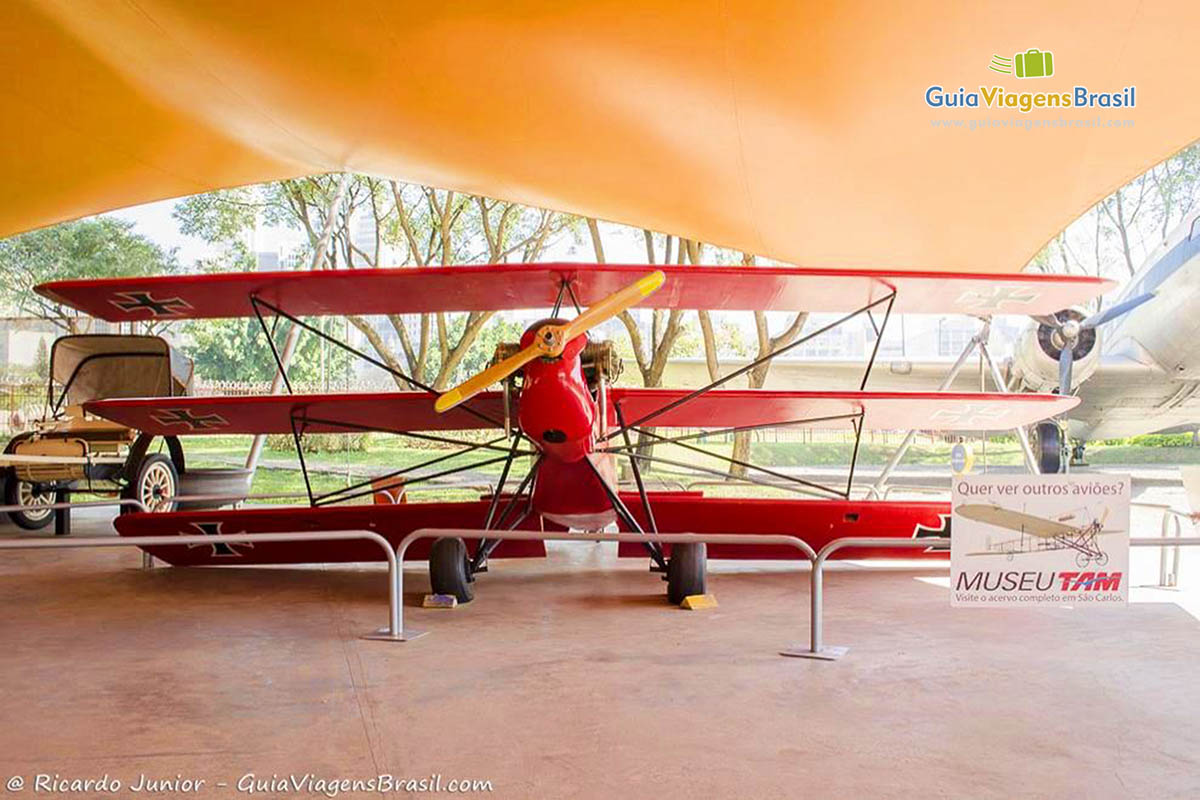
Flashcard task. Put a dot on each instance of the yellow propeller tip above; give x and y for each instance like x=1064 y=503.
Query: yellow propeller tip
x=651 y=282
x=447 y=401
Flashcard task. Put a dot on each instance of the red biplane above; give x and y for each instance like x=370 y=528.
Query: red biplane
x=558 y=407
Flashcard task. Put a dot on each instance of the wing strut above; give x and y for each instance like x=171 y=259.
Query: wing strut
x=256 y=302
x=637 y=472
x=856 y=423
x=486 y=546
x=653 y=548
x=363 y=488
x=889 y=300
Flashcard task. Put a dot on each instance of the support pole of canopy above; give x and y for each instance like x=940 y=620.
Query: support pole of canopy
x=978 y=341
x=293 y=334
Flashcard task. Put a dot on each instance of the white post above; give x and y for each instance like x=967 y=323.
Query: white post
x=1022 y=434
x=976 y=341
x=293 y=334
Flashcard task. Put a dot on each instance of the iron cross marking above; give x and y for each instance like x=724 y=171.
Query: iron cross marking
x=970 y=414
x=992 y=299
x=219 y=549
x=134 y=302
x=923 y=531
x=193 y=422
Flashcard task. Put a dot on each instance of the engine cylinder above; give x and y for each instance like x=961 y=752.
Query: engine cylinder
x=1035 y=357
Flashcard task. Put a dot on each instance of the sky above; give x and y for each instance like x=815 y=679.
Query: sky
x=154 y=221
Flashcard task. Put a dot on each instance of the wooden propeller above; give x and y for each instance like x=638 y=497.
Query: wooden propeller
x=550 y=340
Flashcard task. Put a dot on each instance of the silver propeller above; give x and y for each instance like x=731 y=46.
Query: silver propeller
x=1112 y=312
x=1070 y=329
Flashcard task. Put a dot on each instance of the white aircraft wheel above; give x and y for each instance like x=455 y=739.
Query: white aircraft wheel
x=1102 y=560
x=1082 y=559
x=687 y=571
x=448 y=570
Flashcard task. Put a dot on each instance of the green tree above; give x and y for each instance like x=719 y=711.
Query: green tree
x=100 y=247
x=41 y=361
x=412 y=226
x=236 y=350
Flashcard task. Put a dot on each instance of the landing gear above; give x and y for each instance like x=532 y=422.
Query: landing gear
x=687 y=571
x=1048 y=447
x=449 y=571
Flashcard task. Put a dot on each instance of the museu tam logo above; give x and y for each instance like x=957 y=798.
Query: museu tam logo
x=1031 y=64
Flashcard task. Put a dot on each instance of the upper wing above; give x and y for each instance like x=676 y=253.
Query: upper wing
x=1014 y=520
x=328 y=413
x=729 y=408
x=513 y=286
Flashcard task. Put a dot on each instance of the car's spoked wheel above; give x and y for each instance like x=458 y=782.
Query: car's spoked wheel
x=156 y=484
x=29 y=497
x=687 y=571
x=449 y=572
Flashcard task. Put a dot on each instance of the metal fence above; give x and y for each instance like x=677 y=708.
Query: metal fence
x=21 y=402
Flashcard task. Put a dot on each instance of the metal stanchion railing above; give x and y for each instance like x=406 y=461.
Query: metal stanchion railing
x=1168 y=557
x=817 y=648
x=661 y=538
x=393 y=632
x=72 y=506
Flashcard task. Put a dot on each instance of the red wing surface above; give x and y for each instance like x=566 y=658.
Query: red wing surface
x=325 y=413
x=515 y=286
x=728 y=408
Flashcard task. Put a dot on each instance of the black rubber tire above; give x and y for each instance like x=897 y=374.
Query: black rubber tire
x=687 y=571
x=1048 y=447
x=448 y=570
x=12 y=496
x=154 y=467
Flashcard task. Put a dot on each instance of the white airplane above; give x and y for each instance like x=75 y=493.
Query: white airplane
x=1135 y=365
x=1038 y=534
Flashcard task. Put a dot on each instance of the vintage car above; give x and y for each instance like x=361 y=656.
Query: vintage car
x=72 y=450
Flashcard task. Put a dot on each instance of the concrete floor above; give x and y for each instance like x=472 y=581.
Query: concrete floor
x=573 y=678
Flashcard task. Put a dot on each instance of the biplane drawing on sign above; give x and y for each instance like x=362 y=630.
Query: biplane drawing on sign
x=1037 y=539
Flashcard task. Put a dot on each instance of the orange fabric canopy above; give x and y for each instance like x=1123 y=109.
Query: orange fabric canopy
x=797 y=130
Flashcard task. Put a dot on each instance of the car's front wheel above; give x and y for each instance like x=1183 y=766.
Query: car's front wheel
x=155 y=485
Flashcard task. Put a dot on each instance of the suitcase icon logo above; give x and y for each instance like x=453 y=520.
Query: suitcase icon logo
x=1033 y=63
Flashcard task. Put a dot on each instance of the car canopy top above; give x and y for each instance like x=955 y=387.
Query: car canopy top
x=99 y=366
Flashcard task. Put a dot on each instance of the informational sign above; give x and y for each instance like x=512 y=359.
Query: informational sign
x=1036 y=539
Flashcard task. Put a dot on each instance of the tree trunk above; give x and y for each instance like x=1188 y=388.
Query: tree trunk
x=757 y=377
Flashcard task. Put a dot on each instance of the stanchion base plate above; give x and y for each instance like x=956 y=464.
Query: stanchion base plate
x=382 y=635
x=824 y=654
